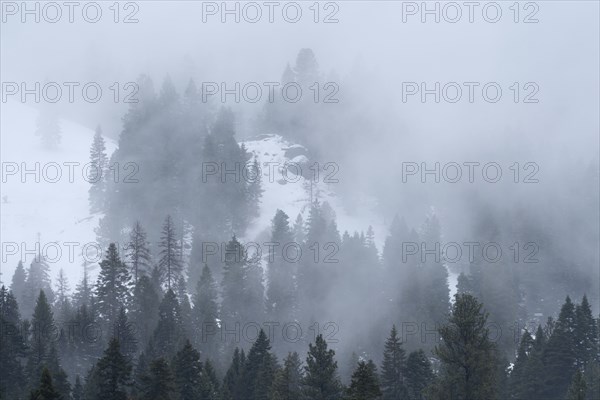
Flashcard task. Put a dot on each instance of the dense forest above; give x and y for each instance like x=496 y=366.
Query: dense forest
x=183 y=305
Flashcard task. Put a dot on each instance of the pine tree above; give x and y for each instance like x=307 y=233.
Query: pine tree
x=18 y=285
x=12 y=347
x=83 y=291
x=578 y=387
x=169 y=262
x=288 y=381
x=233 y=282
x=586 y=334
x=260 y=368
x=205 y=312
x=59 y=376
x=210 y=383
x=393 y=368
x=158 y=383
x=43 y=331
x=518 y=376
x=187 y=369
x=419 y=375
x=168 y=335
x=255 y=190
x=533 y=375
x=112 y=286
x=112 y=374
x=63 y=304
x=144 y=309
x=138 y=252
x=38 y=278
x=99 y=163
x=321 y=381
x=365 y=383
x=124 y=332
x=560 y=354
x=46 y=389
x=467 y=355
x=281 y=293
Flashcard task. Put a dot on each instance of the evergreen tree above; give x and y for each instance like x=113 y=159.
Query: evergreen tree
x=158 y=383
x=281 y=293
x=233 y=384
x=46 y=389
x=321 y=381
x=210 y=383
x=187 y=369
x=63 y=304
x=288 y=381
x=169 y=262
x=83 y=291
x=467 y=355
x=111 y=288
x=12 y=347
x=18 y=285
x=59 y=376
x=168 y=335
x=138 y=252
x=586 y=334
x=578 y=387
x=97 y=178
x=393 y=368
x=530 y=379
x=111 y=374
x=124 y=332
x=518 y=376
x=38 y=278
x=419 y=375
x=43 y=333
x=144 y=309
x=364 y=384
x=259 y=371
x=560 y=353
x=205 y=312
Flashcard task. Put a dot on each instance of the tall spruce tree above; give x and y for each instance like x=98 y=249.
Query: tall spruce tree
x=393 y=368
x=365 y=383
x=467 y=355
x=18 y=285
x=288 y=381
x=45 y=390
x=321 y=381
x=260 y=369
x=205 y=313
x=419 y=375
x=112 y=287
x=98 y=171
x=187 y=370
x=169 y=262
x=43 y=334
x=138 y=252
x=12 y=347
x=168 y=335
x=578 y=388
x=111 y=375
x=144 y=309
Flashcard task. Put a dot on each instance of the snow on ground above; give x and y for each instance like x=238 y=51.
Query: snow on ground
x=51 y=201
x=292 y=193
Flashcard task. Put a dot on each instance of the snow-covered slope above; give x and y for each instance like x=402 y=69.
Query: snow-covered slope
x=51 y=202
x=292 y=193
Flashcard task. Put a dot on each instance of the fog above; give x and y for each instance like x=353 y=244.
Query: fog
x=388 y=126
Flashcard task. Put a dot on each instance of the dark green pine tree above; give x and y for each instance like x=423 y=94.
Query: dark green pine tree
x=467 y=355
x=18 y=285
x=12 y=347
x=233 y=384
x=365 y=383
x=111 y=374
x=169 y=262
x=560 y=354
x=205 y=313
x=138 y=252
x=518 y=377
x=187 y=369
x=43 y=333
x=124 y=332
x=233 y=283
x=144 y=309
x=158 y=382
x=254 y=189
x=46 y=390
x=281 y=291
x=288 y=381
x=97 y=175
x=260 y=369
x=210 y=382
x=419 y=375
x=78 y=389
x=168 y=335
x=578 y=388
x=532 y=381
x=393 y=368
x=321 y=380
x=112 y=291
x=586 y=334
x=59 y=376
x=38 y=278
